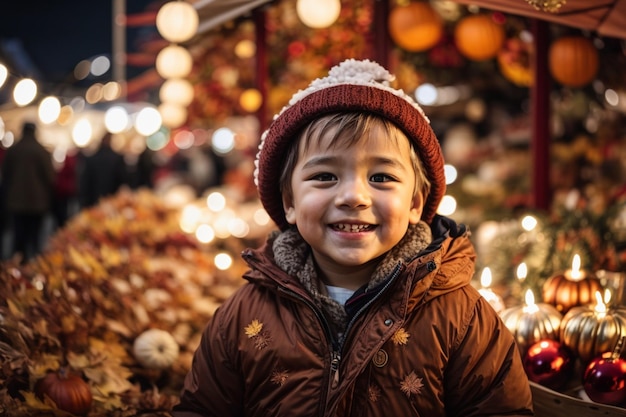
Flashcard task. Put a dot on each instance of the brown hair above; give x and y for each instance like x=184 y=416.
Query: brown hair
x=342 y=129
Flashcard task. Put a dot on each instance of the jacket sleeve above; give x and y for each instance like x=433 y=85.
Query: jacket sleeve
x=213 y=387
x=485 y=375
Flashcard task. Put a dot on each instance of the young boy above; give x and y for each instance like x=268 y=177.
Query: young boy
x=361 y=305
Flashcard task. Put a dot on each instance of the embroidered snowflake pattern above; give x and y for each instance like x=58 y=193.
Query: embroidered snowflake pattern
x=279 y=377
x=261 y=341
x=254 y=328
x=254 y=331
x=411 y=384
x=373 y=393
x=401 y=337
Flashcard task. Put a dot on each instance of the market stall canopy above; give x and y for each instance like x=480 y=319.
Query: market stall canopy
x=213 y=13
x=606 y=17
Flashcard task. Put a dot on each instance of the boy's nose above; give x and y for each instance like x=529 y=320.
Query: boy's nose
x=353 y=193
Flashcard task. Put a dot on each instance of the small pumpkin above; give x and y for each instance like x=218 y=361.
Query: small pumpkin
x=591 y=330
x=68 y=390
x=155 y=349
x=478 y=37
x=572 y=288
x=415 y=27
x=573 y=61
x=531 y=323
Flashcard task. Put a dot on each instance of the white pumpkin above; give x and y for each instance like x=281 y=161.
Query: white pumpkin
x=155 y=349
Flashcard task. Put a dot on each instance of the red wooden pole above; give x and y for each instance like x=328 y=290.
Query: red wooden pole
x=259 y=16
x=380 y=32
x=540 y=114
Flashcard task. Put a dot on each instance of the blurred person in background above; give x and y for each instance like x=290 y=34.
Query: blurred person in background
x=28 y=178
x=102 y=174
x=66 y=190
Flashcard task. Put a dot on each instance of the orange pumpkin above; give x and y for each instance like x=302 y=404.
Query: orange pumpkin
x=68 y=391
x=573 y=61
x=478 y=37
x=415 y=27
x=564 y=293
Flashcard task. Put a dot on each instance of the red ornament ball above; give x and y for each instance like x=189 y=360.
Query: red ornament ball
x=549 y=364
x=605 y=379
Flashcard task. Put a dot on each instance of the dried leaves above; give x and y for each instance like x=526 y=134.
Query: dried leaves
x=114 y=271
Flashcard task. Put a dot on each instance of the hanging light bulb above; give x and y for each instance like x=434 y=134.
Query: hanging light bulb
x=176 y=91
x=177 y=21
x=318 y=13
x=551 y=6
x=174 y=61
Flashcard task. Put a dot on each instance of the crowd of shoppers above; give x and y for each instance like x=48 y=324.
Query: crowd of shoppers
x=39 y=195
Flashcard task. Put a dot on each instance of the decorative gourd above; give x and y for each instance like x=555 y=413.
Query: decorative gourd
x=68 y=390
x=573 y=61
x=514 y=61
x=532 y=322
x=415 y=27
x=478 y=37
x=155 y=349
x=590 y=331
x=574 y=287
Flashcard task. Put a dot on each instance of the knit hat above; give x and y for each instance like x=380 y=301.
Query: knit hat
x=351 y=86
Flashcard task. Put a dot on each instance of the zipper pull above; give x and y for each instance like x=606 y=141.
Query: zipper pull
x=334 y=367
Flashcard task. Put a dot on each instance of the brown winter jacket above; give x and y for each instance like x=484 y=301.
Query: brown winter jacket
x=423 y=343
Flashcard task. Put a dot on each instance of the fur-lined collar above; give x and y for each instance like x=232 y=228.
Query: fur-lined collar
x=293 y=255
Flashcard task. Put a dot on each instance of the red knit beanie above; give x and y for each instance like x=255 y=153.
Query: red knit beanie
x=352 y=86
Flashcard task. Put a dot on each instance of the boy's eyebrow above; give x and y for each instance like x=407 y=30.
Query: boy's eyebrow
x=319 y=160
x=329 y=159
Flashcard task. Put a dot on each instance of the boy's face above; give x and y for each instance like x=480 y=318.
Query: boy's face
x=353 y=203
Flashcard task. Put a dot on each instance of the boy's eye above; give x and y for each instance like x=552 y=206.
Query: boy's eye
x=380 y=178
x=324 y=176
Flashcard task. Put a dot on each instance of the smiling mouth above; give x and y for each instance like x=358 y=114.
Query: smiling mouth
x=352 y=228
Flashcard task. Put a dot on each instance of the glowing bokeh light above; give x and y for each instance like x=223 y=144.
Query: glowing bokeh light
x=24 y=92
x=174 y=61
x=216 y=201
x=100 y=65
x=148 y=121
x=318 y=13
x=223 y=261
x=223 y=140
x=450 y=173
x=116 y=119
x=4 y=73
x=447 y=206
x=205 y=233
x=82 y=132
x=177 y=21
x=529 y=223
x=49 y=109
x=426 y=94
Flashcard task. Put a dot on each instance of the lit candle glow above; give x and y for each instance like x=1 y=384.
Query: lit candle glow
x=522 y=272
x=530 y=306
x=600 y=307
x=575 y=273
x=492 y=298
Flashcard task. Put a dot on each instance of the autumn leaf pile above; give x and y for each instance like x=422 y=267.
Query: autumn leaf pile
x=114 y=271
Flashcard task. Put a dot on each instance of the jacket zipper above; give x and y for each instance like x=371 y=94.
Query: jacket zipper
x=337 y=345
x=335 y=354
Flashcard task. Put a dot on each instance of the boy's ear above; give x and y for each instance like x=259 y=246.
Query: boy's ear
x=417 y=206
x=290 y=211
